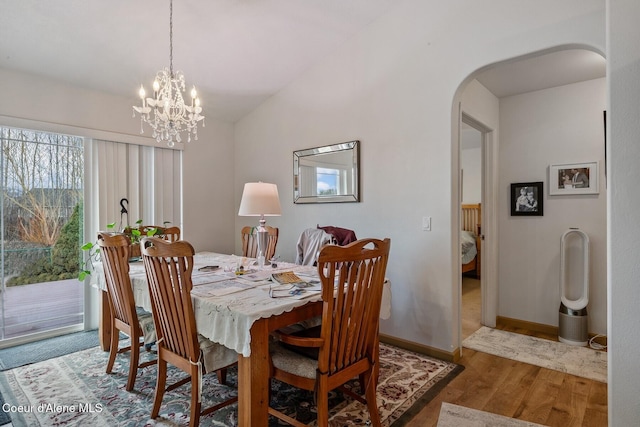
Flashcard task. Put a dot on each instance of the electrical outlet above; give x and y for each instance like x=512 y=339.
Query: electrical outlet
x=426 y=223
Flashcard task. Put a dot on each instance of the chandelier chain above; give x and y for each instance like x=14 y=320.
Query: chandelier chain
x=171 y=37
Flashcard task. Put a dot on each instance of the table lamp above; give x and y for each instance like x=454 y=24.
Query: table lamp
x=260 y=199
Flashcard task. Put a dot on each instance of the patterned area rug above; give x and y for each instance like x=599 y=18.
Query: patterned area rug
x=458 y=416
x=575 y=360
x=74 y=390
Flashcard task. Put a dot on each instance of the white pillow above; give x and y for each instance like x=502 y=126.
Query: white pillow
x=467 y=239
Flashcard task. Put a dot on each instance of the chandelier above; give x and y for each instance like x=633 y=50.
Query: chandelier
x=166 y=112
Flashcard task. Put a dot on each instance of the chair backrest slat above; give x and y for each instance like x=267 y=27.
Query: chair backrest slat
x=352 y=280
x=250 y=242
x=172 y=234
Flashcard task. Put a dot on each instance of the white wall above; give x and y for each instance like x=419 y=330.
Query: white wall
x=32 y=97
x=623 y=69
x=209 y=210
x=554 y=126
x=392 y=88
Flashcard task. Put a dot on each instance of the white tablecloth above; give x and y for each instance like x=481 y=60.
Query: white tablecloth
x=226 y=305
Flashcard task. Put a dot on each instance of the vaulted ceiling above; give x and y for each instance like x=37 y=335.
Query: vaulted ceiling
x=237 y=52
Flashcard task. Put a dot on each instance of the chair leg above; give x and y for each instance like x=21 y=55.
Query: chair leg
x=113 y=348
x=362 y=381
x=322 y=402
x=222 y=375
x=161 y=382
x=194 y=419
x=371 y=385
x=133 y=365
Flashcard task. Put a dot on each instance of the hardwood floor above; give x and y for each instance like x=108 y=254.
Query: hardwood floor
x=471 y=314
x=517 y=390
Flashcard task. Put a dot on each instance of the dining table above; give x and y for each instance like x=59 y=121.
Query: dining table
x=237 y=304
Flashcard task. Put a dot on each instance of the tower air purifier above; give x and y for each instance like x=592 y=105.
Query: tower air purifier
x=574 y=287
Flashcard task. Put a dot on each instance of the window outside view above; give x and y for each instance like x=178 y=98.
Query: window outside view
x=41 y=225
x=328 y=181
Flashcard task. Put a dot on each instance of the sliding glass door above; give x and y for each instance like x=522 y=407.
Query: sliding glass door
x=41 y=226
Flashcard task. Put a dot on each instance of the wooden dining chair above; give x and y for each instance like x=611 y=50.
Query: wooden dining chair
x=169 y=266
x=125 y=316
x=345 y=345
x=172 y=234
x=250 y=242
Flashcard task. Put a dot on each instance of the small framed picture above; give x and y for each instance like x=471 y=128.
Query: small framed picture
x=527 y=199
x=573 y=178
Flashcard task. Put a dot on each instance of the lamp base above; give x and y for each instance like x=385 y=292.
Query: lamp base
x=263 y=241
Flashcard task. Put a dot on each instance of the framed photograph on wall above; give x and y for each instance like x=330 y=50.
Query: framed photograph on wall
x=573 y=178
x=527 y=199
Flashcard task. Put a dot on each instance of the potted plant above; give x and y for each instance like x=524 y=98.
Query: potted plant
x=135 y=234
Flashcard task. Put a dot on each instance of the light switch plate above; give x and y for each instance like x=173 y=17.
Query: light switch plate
x=426 y=223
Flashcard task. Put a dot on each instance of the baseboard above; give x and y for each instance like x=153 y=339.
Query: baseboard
x=52 y=333
x=502 y=322
x=506 y=322
x=420 y=348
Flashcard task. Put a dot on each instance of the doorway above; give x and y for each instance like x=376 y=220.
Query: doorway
x=473 y=136
x=471 y=140
x=505 y=93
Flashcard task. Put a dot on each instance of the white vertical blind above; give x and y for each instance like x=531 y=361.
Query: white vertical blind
x=167 y=186
x=308 y=180
x=150 y=178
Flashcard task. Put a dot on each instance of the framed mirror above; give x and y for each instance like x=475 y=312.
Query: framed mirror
x=328 y=174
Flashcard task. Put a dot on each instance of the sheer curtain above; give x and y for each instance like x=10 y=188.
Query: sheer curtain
x=150 y=178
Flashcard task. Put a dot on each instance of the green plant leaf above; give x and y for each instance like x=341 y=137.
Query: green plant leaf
x=113 y=224
x=83 y=274
x=87 y=246
x=139 y=222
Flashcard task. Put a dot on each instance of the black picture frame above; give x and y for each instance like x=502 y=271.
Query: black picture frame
x=527 y=199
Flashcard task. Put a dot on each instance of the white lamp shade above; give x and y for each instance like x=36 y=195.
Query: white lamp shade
x=260 y=198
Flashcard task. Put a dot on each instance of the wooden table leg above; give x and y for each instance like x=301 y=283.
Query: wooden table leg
x=104 y=325
x=253 y=379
